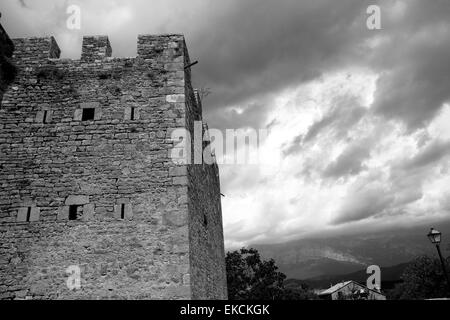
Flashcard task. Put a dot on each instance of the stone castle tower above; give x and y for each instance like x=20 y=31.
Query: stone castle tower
x=87 y=182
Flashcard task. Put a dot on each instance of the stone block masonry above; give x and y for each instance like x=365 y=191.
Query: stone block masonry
x=86 y=178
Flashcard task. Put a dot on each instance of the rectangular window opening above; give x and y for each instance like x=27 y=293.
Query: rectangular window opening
x=132 y=113
x=28 y=214
x=45 y=116
x=88 y=114
x=74 y=212
x=122 y=211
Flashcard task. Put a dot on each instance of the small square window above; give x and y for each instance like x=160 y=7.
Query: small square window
x=75 y=212
x=88 y=114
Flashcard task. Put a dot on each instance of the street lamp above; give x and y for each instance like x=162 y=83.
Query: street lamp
x=435 y=238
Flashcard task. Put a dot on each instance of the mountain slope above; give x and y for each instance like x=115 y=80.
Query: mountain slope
x=309 y=258
x=389 y=277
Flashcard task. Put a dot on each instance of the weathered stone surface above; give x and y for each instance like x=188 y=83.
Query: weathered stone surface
x=127 y=211
x=95 y=48
x=51 y=160
x=182 y=181
x=178 y=171
x=175 y=98
x=89 y=105
x=207 y=274
x=89 y=211
x=28 y=214
x=77 y=200
x=175 y=218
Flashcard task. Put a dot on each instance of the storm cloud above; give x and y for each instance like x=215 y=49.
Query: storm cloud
x=358 y=117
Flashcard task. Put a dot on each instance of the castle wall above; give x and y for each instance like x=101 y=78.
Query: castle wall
x=208 y=272
x=90 y=139
x=207 y=252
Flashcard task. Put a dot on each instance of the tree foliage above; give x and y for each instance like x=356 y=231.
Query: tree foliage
x=422 y=279
x=8 y=71
x=250 y=278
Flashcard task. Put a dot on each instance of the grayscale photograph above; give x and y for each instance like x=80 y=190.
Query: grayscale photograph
x=203 y=152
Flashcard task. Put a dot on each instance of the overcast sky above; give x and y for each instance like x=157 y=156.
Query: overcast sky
x=358 y=119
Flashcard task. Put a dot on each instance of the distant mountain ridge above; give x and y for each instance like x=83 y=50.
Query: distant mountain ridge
x=389 y=277
x=339 y=255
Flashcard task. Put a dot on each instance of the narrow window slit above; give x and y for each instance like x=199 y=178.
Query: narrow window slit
x=122 y=211
x=73 y=212
x=28 y=214
x=45 y=116
x=132 y=113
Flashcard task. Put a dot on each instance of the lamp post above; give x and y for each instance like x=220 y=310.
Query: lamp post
x=435 y=238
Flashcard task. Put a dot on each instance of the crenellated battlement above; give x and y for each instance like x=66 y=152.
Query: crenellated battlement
x=33 y=50
x=97 y=48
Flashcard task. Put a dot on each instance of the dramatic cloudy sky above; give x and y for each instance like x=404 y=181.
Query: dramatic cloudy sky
x=358 y=119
